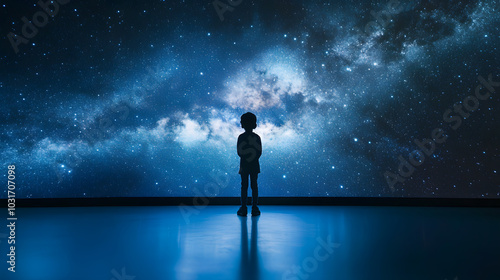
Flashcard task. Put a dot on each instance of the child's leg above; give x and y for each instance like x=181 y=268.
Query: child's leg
x=255 y=189
x=244 y=189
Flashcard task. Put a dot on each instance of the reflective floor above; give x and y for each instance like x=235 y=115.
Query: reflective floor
x=285 y=242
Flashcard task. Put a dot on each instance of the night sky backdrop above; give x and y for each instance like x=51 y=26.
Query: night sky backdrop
x=143 y=98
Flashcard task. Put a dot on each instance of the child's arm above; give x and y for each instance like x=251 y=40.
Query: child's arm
x=238 y=147
x=259 y=148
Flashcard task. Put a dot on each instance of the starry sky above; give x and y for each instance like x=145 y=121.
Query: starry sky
x=143 y=98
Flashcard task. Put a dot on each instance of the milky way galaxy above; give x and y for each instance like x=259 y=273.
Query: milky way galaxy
x=143 y=98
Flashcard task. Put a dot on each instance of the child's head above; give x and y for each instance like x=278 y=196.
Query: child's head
x=248 y=121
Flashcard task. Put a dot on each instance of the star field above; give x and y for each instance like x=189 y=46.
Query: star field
x=144 y=99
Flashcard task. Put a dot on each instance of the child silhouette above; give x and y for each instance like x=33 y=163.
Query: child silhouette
x=249 y=150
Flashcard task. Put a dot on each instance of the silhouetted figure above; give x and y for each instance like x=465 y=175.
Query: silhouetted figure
x=249 y=150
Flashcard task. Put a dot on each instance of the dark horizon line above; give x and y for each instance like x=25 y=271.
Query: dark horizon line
x=207 y=201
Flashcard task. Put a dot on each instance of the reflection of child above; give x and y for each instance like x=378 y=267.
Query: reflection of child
x=249 y=150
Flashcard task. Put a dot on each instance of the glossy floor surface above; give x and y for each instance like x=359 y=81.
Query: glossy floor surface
x=285 y=242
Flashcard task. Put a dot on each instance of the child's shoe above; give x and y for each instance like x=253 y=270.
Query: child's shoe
x=255 y=211
x=242 y=211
